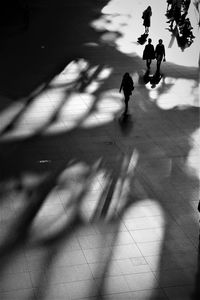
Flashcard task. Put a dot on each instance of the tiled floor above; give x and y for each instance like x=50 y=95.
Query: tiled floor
x=92 y=205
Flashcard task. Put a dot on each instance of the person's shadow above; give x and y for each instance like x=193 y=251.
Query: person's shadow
x=154 y=79
x=142 y=39
x=126 y=123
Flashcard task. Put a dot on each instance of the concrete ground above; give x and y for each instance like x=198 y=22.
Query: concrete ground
x=95 y=205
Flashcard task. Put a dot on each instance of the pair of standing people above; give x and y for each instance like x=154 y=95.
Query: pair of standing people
x=149 y=54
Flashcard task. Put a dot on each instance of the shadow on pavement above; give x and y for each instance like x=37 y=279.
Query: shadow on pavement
x=96 y=147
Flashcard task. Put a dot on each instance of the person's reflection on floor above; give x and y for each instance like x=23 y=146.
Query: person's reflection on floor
x=155 y=79
x=146 y=77
x=126 y=123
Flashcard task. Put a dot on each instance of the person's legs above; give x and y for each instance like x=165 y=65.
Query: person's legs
x=126 y=103
x=148 y=62
x=158 y=65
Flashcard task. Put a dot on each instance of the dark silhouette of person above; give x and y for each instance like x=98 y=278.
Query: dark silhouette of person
x=127 y=85
x=148 y=53
x=159 y=54
x=146 y=16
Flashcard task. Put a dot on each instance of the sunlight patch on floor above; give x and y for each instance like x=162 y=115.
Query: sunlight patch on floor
x=65 y=104
x=9 y=113
x=182 y=94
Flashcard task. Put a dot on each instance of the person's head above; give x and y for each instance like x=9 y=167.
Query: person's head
x=160 y=41
x=149 y=41
x=126 y=75
x=149 y=8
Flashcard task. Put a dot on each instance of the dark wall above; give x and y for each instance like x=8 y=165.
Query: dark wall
x=13 y=15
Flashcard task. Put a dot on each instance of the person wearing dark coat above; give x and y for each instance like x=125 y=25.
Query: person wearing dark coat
x=127 y=85
x=148 y=53
x=159 y=54
x=146 y=16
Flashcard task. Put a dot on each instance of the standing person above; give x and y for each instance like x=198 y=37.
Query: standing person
x=127 y=85
x=148 y=53
x=159 y=54
x=147 y=18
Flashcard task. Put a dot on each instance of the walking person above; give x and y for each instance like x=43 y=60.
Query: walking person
x=149 y=53
x=159 y=54
x=127 y=85
x=146 y=16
